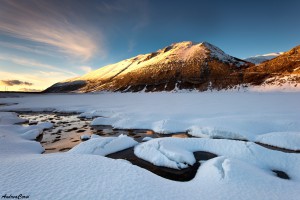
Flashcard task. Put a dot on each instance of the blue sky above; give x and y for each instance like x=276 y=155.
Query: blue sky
x=42 y=42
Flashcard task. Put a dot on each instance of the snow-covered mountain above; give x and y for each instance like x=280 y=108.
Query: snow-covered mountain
x=187 y=65
x=262 y=58
x=184 y=65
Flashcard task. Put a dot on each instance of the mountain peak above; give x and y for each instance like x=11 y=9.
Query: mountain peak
x=207 y=44
x=190 y=50
x=180 y=65
x=187 y=44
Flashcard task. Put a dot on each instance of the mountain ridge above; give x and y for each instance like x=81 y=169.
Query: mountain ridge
x=183 y=65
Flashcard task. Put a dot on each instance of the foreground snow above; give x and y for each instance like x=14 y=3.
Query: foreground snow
x=82 y=176
x=178 y=153
x=242 y=170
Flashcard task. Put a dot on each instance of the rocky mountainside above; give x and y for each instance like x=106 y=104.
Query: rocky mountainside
x=284 y=69
x=185 y=65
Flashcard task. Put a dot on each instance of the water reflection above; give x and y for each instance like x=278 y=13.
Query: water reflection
x=68 y=129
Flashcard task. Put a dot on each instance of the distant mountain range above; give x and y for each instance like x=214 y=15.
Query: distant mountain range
x=262 y=58
x=191 y=66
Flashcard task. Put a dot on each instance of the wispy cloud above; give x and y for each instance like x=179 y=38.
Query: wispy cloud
x=15 y=82
x=86 y=69
x=112 y=6
x=29 y=48
x=40 y=21
x=137 y=11
x=34 y=64
x=131 y=45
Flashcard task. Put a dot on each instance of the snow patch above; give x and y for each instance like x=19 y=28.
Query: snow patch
x=103 y=145
x=45 y=125
x=286 y=140
x=212 y=132
x=32 y=134
x=10 y=118
x=147 y=139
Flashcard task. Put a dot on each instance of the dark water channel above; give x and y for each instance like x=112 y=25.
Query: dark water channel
x=68 y=129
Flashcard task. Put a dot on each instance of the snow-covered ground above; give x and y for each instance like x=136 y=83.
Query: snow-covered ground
x=242 y=170
x=287 y=83
x=240 y=115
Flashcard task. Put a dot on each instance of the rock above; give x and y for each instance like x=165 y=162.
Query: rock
x=85 y=137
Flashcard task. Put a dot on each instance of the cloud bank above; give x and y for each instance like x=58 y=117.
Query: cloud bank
x=15 y=82
x=40 y=80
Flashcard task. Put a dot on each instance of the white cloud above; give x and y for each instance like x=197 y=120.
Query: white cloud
x=33 y=64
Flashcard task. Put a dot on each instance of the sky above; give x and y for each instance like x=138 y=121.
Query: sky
x=46 y=41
